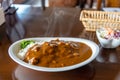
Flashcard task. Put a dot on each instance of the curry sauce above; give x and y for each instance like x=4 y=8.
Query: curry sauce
x=58 y=53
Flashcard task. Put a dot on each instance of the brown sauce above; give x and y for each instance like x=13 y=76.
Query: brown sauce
x=58 y=53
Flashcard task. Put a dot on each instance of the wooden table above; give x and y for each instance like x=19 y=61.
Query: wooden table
x=32 y=21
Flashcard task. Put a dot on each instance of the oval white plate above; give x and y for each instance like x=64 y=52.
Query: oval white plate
x=15 y=47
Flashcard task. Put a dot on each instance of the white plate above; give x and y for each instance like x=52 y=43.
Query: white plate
x=15 y=47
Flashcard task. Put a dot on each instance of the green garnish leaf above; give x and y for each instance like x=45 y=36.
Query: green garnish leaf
x=24 y=43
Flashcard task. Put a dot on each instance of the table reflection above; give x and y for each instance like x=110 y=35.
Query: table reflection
x=14 y=28
x=84 y=73
x=108 y=55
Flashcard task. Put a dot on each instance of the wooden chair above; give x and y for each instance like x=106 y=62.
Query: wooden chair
x=18 y=1
x=112 y=3
x=99 y=4
x=62 y=3
x=82 y=3
x=70 y=3
x=108 y=3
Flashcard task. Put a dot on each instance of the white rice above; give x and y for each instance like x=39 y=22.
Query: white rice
x=21 y=54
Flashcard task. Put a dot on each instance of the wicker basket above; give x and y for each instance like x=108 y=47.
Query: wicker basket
x=93 y=20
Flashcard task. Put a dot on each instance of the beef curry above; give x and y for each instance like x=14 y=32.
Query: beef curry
x=58 y=53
